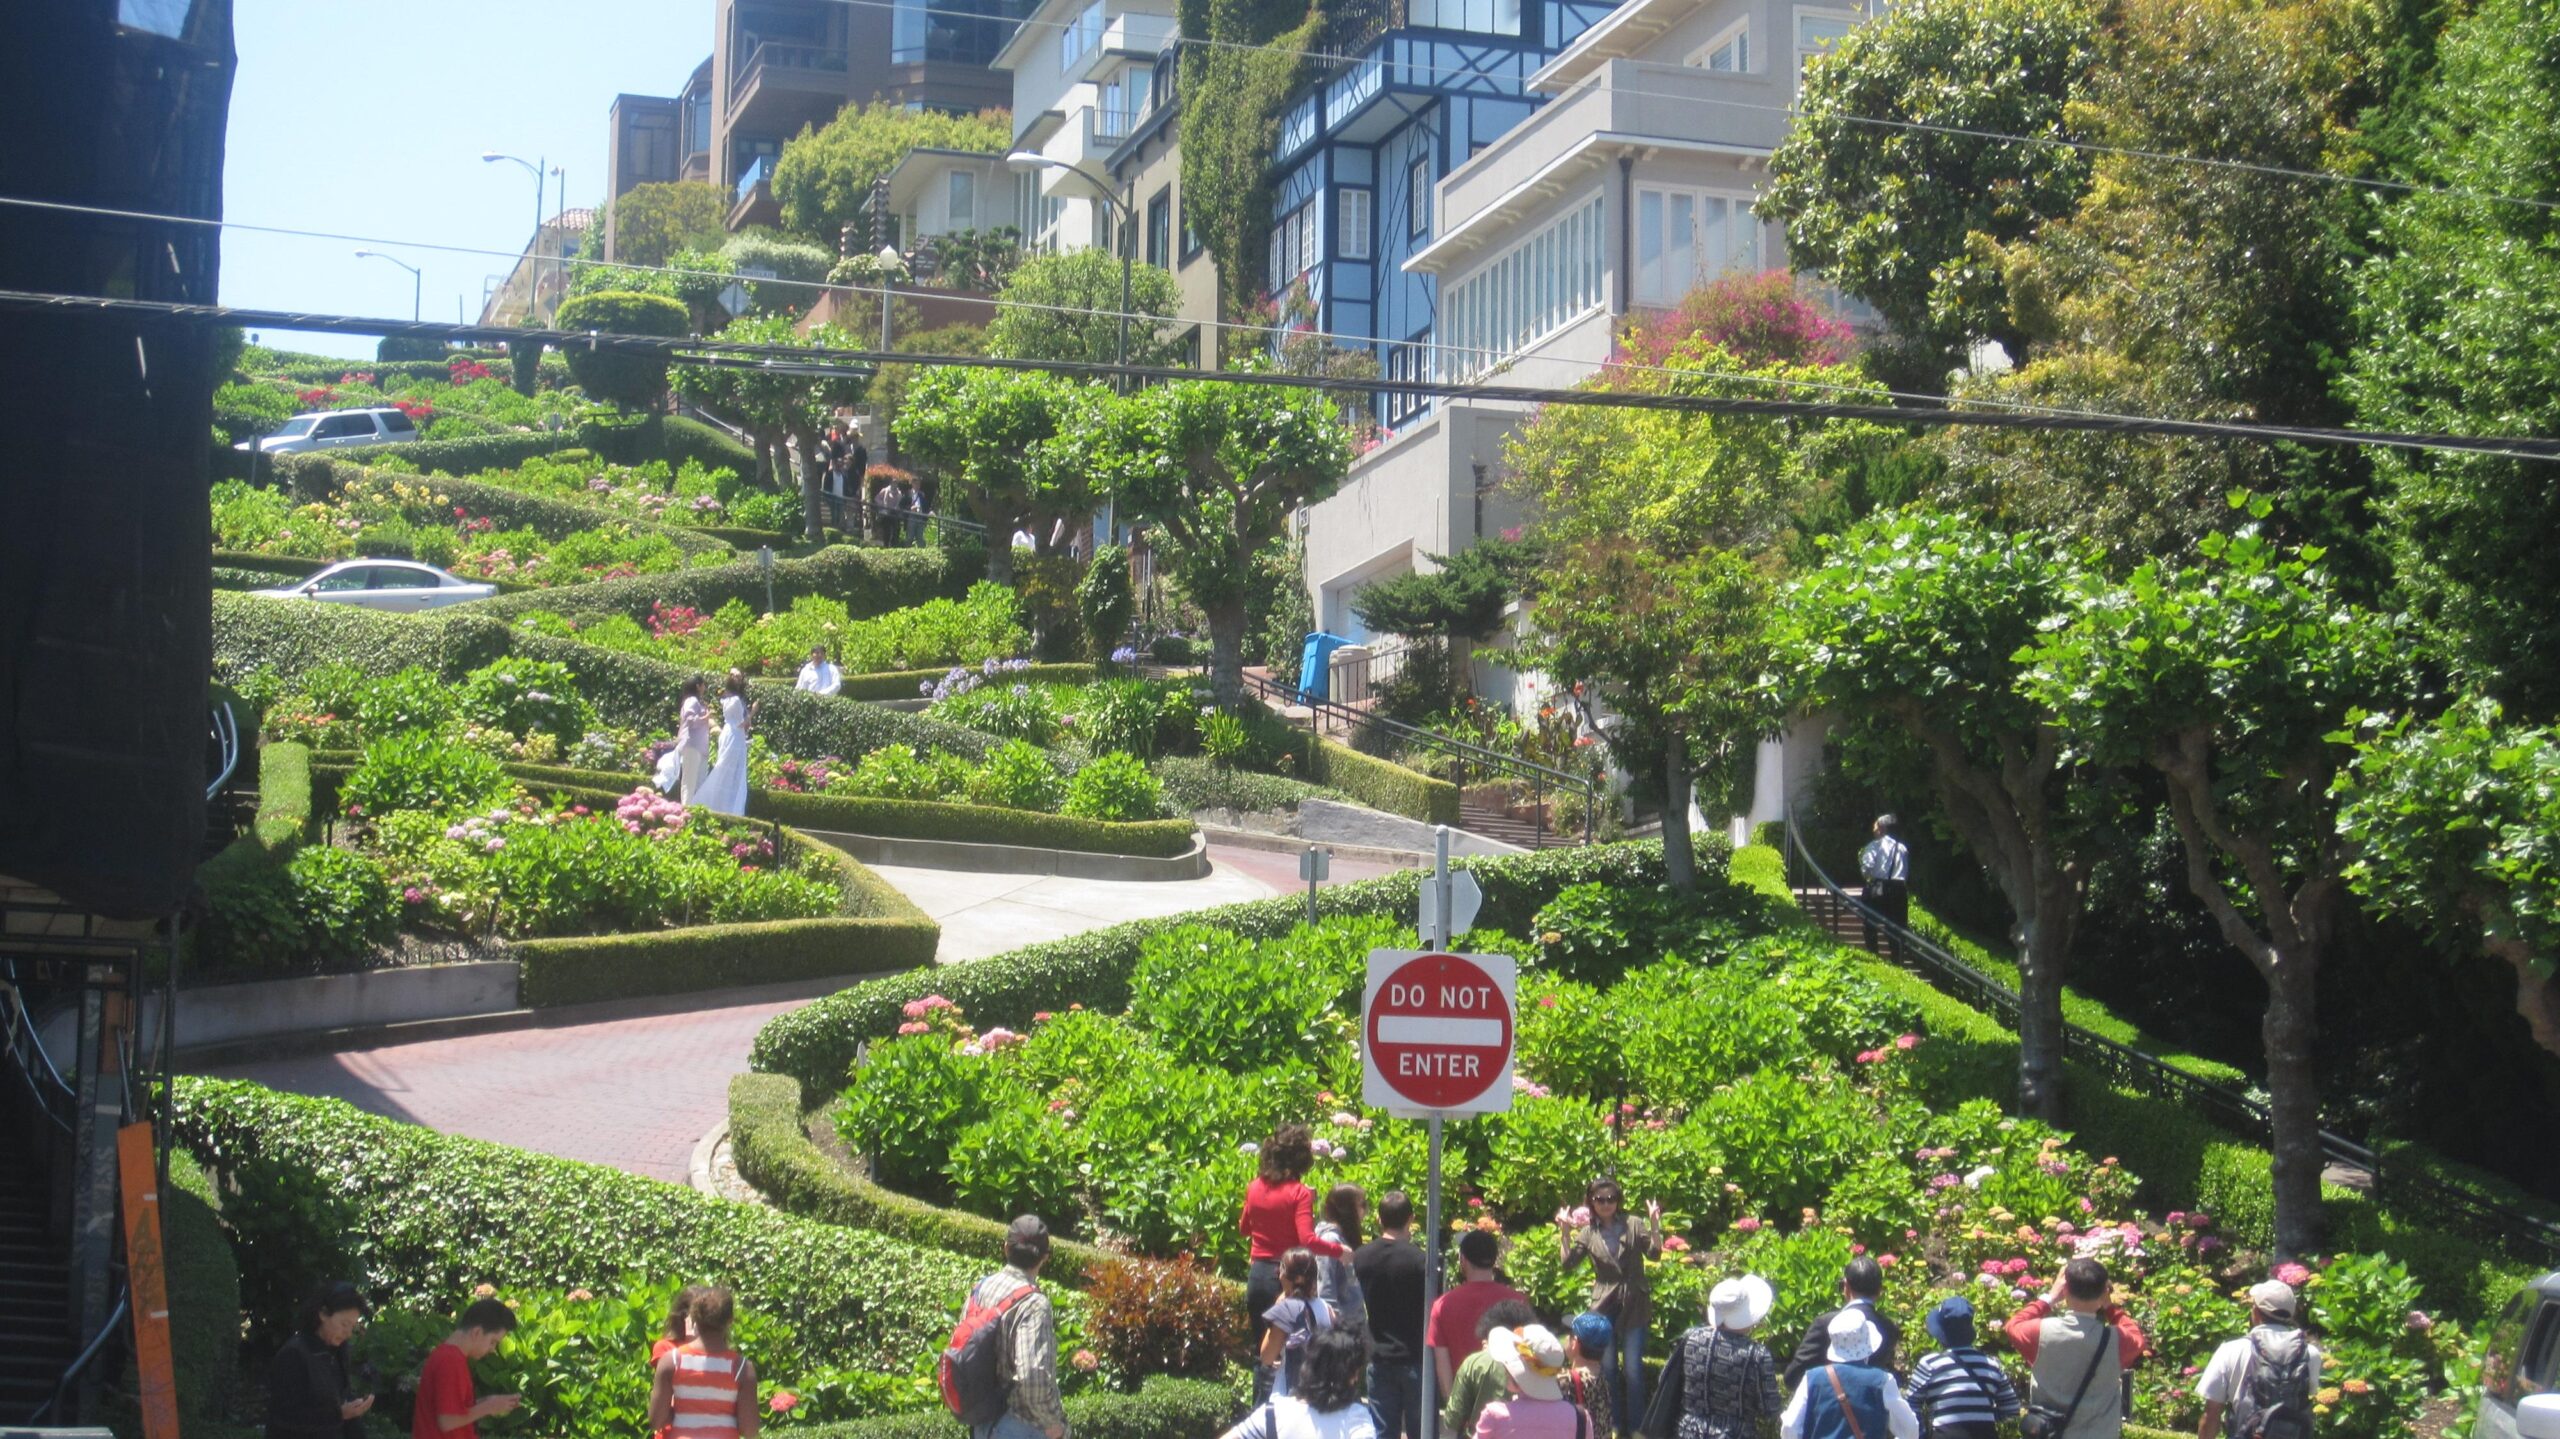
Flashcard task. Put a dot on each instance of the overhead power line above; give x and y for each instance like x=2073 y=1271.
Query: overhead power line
x=807 y=359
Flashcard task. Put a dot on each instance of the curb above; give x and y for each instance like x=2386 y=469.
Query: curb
x=698 y=1170
x=1292 y=844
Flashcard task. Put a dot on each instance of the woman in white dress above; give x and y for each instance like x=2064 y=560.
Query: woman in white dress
x=680 y=770
x=725 y=792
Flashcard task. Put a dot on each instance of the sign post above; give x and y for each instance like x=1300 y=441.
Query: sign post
x=1313 y=867
x=1436 y=1037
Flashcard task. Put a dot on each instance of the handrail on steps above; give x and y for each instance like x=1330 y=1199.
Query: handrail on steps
x=2123 y=1064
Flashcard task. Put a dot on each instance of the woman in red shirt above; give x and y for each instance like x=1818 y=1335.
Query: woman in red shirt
x=1279 y=1215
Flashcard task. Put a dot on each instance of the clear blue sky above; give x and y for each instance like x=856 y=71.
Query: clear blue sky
x=362 y=117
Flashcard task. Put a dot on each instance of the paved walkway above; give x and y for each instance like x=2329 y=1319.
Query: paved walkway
x=635 y=1089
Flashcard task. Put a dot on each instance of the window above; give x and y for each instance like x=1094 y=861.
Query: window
x=1817 y=31
x=1190 y=238
x=1160 y=229
x=1484 y=17
x=344 y=580
x=1293 y=246
x=1351 y=237
x=1727 y=54
x=397 y=422
x=1408 y=361
x=1418 y=184
x=1684 y=236
x=400 y=577
x=339 y=427
x=1539 y=286
x=1081 y=36
x=1117 y=112
x=963 y=214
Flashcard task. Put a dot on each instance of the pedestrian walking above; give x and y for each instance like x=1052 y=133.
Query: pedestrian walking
x=1718 y=1382
x=857 y=464
x=2263 y=1381
x=1454 y=1314
x=1338 y=1280
x=1390 y=1271
x=449 y=1405
x=885 y=505
x=681 y=770
x=1327 y=1403
x=310 y=1386
x=1026 y=1369
x=1279 y=1215
x=676 y=1332
x=724 y=791
x=1533 y=1362
x=1861 y=1285
x=1848 y=1396
x=1616 y=1247
x=1885 y=864
x=1479 y=1378
x=1299 y=1315
x=2078 y=1345
x=1959 y=1392
x=1587 y=1342
x=818 y=676
x=705 y=1388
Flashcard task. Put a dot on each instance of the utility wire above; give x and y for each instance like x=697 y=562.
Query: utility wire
x=2089 y=147
x=803 y=359
x=1496 y=362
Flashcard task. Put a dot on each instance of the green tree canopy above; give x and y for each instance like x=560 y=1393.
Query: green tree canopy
x=1213 y=469
x=772 y=404
x=2461 y=324
x=1067 y=307
x=823 y=180
x=1915 y=624
x=2237 y=679
x=798 y=269
x=653 y=222
x=629 y=381
x=1010 y=441
x=1904 y=218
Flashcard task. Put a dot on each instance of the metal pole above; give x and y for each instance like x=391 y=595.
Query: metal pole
x=1311 y=884
x=1128 y=262
x=1431 y=1287
x=417 y=291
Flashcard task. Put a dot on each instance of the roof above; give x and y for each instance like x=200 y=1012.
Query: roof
x=1622 y=34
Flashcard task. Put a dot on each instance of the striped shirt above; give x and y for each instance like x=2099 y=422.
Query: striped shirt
x=706 y=1393
x=1961 y=1386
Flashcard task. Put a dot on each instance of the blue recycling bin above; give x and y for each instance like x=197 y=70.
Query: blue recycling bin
x=1315 y=666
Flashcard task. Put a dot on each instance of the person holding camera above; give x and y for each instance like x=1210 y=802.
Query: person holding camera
x=310 y=1387
x=2079 y=1344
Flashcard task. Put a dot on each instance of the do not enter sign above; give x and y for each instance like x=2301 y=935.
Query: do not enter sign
x=1436 y=1031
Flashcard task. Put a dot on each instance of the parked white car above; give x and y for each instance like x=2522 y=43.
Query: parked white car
x=335 y=430
x=384 y=585
x=2520 y=1367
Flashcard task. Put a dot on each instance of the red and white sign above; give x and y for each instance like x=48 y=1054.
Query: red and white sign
x=1436 y=1031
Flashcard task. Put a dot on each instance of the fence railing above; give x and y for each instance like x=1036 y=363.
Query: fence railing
x=1470 y=763
x=857 y=516
x=2122 y=1065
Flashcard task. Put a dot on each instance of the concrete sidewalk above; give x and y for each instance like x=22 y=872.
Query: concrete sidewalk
x=984 y=914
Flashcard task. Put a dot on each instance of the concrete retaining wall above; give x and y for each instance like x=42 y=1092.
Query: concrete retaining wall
x=1017 y=858
x=230 y=1013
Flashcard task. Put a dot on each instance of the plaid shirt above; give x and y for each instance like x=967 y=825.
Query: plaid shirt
x=1029 y=1363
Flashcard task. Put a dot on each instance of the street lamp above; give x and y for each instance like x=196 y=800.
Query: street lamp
x=415 y=280
x=533 y=249
x=1028 y=160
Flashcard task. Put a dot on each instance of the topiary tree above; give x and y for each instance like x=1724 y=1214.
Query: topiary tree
x=1105 y=601
x=408 y=347
x=994 y=434
x=1067 y=307
x=629 y=381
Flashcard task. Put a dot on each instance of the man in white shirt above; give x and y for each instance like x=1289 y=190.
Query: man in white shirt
x=2274 y=1359
x=819 y=677
x=1886 y=865
x=1844 y=1398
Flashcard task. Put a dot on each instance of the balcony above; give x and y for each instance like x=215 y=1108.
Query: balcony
x=1087 y=140
x=754 y=203
x=776 y=88
x=1129 y=35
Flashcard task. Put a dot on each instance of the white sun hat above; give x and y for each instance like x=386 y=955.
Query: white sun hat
x=1532 y=1356
x=1852 y=1337
x=1740 y=1304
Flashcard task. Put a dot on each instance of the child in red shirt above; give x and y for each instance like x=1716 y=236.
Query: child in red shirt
x=446 y=1408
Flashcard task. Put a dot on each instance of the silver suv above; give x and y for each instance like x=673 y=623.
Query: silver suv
x=2520 y=1367
x=335 y=430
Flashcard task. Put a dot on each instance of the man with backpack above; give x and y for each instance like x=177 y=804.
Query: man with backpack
x=1000 y=1372
x=2263 y=1380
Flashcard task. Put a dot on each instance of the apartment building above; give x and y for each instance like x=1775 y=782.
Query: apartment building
x=656 y=140
x=1631 y=185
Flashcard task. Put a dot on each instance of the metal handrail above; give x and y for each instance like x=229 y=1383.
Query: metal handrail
x=226 y=735
x=1466 y=753
x=2123 y=1064
x=109 y=1330
x=836 y=505
x=45 y=1084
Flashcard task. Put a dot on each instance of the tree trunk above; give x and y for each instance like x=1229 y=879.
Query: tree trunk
x=526 y=366
x=2293 y=1101
x=813 y=519
x=2537 y=995
x=1226 y=652
x=2044 y=963
x=1679 y=861
x=1000 y=548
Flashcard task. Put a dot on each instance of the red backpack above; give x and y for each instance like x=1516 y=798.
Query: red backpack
x=971 y=1370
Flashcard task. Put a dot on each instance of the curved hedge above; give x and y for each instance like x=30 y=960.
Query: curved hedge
x=321 y=475
x=865 y=581
x=774 y=1152
x=816 y=1044
x=974 y=824
x=1382 y=784
x=293 y=637
x=317 y=1189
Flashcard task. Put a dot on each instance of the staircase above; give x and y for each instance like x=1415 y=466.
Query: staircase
x=1837 y=918
x=35 y=1294
x=1482 y=817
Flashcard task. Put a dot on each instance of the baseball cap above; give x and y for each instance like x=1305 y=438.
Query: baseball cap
x=2275 y=1299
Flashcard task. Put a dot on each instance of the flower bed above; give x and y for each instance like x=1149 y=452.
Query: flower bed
x=689 y=494
x=972 y=631
x=375 y=515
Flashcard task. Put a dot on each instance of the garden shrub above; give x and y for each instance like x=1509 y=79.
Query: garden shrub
x=413 y=699
x=1163 y=1316
x=866 y=581
x=1380 y=784
x=1570 y=1038
x=1126 y=715
x=1019 y=711
x=1114 y=787
x=1192 y=783
x=1018 y=775
x=1163 y=1408
x=1689 y=1034
x=527 y=697
x=422 y=771
x=203 y=1278
x=1541 y=1153
x=343 y=900
x=1018 y=1160
x=909 y=1099
x=584 y=969
x=631 y=380
x=1105 y=601
x=316 y=1189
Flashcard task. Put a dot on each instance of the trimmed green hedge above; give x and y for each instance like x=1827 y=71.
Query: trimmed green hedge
x=293 y=637
x=907 y=684
x=1382 y=784
x=284 y=794
x=816 y=1044
x=281 y=567
x=467 y=456
x=203 y=1279
x=256 y=860
x=866 y=581
x=1163 y=1408
x=318 y=476
x=973 y=824
x=775 y=1154
x=317 y=1189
